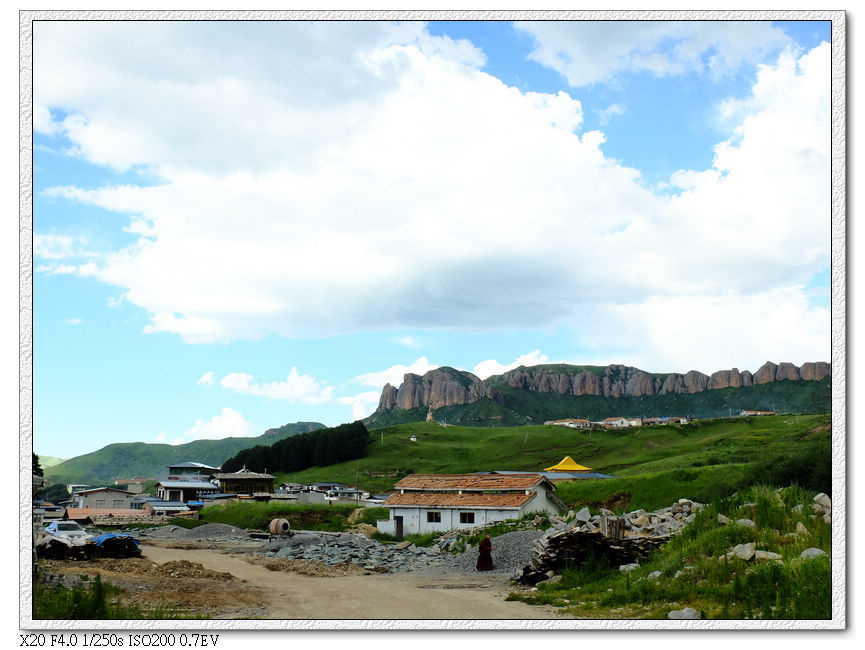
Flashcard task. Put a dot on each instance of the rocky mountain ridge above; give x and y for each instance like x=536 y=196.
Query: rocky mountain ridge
x=447 y=386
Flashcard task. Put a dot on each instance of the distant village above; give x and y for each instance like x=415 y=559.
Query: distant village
x=619 y=422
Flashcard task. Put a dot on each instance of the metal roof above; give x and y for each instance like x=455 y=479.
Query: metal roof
x=243 y=474
x=190 y=485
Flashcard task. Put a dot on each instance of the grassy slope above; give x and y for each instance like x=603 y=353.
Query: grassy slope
x=695 y=574
x=710 y=453
x=146 y=460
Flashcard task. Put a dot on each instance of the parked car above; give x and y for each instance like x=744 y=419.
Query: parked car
x=68 y=530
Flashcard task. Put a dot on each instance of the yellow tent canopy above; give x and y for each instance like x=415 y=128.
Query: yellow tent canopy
x=567 y=464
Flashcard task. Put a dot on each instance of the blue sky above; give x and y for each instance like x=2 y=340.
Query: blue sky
x=237 y=226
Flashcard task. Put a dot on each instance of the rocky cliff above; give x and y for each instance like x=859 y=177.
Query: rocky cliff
x=448 y=387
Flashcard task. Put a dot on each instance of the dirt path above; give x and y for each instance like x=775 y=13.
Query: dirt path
x=390 y=596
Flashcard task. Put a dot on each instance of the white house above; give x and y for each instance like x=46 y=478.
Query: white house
x=103 y=497
x=615 y=423
x=441 y=502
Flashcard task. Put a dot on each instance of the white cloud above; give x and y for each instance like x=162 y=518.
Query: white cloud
x=611 y=110
x=73 y=321
x=386 y=182
x=591 y=52
x=407 y=341
x=207 y=379
x=709 y=333
x=492 y=367
x=363 y=404
x=394 y=374
x=295 y=388
x=229 y=423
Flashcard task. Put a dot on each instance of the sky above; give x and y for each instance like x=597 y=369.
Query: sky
x=241 y=225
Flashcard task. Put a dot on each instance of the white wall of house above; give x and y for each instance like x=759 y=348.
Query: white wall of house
x=417 y=519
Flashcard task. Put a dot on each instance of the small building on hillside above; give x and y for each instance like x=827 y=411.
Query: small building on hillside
x=617 y=422
x=571 y=423
x=748 y=413
x=134 y=485
x=441 y=502
x=245 y=481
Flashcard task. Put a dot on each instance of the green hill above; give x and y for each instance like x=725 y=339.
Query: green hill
x=651 y=464
x=520 y=406
x=50 y=461
x=147 y=460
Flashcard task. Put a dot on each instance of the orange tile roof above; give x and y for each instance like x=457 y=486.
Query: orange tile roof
x=75 y=513
x=473 y=482
x=453 y=500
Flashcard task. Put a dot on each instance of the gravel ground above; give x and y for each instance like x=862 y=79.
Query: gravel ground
x=207 y=531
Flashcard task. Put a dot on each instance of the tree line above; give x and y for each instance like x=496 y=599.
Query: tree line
x=316 y=448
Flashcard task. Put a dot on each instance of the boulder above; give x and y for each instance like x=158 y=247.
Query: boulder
x=797 y=509
x=583 y=515
x=403 y=545
x=766 y=555
x=743 y=551
x=654 y=575
x=800 y=528
x=823 y=500
x=723 y=520
x=812 y=552
x=746 y=522
x=685 y=614
x=627 y=568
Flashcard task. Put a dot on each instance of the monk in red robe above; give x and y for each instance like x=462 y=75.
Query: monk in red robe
x=485 y=558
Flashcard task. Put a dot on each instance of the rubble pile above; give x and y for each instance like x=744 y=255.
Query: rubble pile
x=623 y=540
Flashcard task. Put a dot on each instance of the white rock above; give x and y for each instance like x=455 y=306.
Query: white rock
x=766 y=555
x=687 y=614
x=800 y=528
x=654 y=575
x=723 y=520
x=743 y=551
x=812 y=552
x=626 y=568
x=746 y=522
x=823 y=500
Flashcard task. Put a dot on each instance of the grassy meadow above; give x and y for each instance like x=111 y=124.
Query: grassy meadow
x=652 y=466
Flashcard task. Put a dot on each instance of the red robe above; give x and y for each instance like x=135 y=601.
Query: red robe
x=485 y=558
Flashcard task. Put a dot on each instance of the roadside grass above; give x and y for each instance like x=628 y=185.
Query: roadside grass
x=258 y=515
x=695 y=571
x=372 y=515
x=94 y=601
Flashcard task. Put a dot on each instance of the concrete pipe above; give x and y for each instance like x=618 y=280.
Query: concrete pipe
x=280 y=527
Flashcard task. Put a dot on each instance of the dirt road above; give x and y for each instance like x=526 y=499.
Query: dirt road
x=388 y=596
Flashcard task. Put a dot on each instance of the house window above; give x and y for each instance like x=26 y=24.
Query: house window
x=117 y=503
x=100 y=503
x=434 y=517
x=467 y=517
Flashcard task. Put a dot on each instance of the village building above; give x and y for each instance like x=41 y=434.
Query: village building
x=191 y=470
x=748 y=413
x=442 y=502
x=134 y=485
x=571 y=423
x=103 y=498
x=617 y=422
x=185 y=491
x=245 y=481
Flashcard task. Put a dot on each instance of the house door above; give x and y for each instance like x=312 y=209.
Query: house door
x=398 y=521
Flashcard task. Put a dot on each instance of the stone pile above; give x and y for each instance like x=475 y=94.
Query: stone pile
x=357 y=549
x=622 y=540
